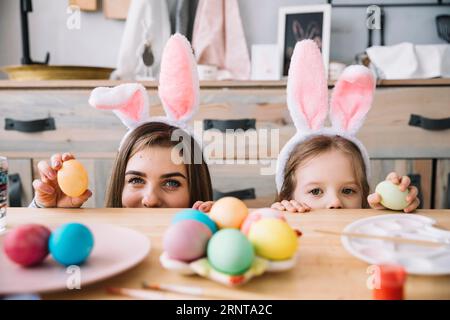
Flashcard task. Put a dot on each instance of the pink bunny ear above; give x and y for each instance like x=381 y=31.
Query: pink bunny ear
x=178 y=79
x=307 y=88
x=128 y=101
x=352 y=98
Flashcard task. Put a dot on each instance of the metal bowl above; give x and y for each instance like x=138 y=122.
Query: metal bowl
x=46 y=72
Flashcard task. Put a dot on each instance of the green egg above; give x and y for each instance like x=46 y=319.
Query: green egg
x=391 y=196
x=229 y=251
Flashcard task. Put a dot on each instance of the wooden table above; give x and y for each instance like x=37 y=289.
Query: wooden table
x=324 y=270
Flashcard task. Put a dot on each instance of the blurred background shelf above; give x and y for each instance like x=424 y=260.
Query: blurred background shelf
x=94 y=135
x=152 y=85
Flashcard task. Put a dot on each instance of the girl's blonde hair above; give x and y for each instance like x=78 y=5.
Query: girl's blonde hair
x=159 y=134
x=316 y=146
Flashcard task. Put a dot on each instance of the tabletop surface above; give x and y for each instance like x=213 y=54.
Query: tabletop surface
x=324 y=270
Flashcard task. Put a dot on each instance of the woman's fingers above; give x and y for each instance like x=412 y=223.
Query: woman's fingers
x=67 y=156
x=374 y=201
x=78 y=201
x=42 y=187
x=56 y=161
x=197 y=204
x=206 y=206
x=45 y=171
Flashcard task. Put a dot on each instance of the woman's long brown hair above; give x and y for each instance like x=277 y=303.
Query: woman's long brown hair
x=318 y=145
x=160 y=134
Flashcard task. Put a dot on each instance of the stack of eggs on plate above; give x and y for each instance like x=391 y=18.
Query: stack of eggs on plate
x=229 y=237
x=28 y=245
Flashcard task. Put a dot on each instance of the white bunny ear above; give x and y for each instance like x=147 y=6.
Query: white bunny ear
x=128 y=101
x=178 y=79
x=307 y=88
x=352 y=98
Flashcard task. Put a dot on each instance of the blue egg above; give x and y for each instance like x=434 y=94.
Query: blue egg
x=71 y=244
x=192 y=214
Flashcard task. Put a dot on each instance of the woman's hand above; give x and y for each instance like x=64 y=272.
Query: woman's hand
x=404 y=182
x=47 y=192
x=203 y=206
x=291 y=206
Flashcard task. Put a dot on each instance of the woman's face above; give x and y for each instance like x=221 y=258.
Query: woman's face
x=153 y=180
x=327 y=181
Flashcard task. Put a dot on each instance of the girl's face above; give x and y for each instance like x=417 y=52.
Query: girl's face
x=153 y=180
x=327 y=181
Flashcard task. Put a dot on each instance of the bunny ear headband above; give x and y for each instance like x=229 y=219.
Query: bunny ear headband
x=307 y=100
x=178 y=90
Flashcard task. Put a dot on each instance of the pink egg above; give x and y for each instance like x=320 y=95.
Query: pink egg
x=186 y=240
x=257 y=215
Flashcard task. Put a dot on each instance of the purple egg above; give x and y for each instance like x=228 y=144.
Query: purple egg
x=186 y=240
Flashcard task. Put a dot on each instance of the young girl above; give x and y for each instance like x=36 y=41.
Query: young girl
x=152 y=168
x=328 y=167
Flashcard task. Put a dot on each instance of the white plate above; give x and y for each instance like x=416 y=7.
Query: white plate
x=418 y=260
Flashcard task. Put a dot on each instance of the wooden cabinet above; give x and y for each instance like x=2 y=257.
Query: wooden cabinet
x=22 y=168
x=94 y=135
x=442 y=194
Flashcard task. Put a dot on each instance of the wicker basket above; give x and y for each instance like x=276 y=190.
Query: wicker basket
x=45 y=72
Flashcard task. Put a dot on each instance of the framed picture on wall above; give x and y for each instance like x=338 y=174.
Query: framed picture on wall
x=299 y=23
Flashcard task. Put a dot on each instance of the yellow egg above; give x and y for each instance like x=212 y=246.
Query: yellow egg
x=273 y=239
x=73 y=178
x=228 y=212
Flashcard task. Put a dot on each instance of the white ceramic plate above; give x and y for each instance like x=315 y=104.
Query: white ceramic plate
x=418 y=260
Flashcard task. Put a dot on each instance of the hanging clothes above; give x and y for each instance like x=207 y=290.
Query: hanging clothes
x=147 y=30
x=218 y=39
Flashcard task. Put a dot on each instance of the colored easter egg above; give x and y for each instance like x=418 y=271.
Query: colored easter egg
x=192 y=214
x=228 y=212
x=186 y=240
x=71 y=244
x=73 y=178
x=259 y=214
x=230 y=252
x=391 y=196
x=27 y=245
x=273 y=239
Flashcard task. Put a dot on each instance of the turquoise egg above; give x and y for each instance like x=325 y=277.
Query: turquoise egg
x=192 y=214
x=71 y=244
x=229 y=251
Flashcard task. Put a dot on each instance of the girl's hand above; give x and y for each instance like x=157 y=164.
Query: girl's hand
x=203 y=206
x=47 y=192
x=291 y=206
x=374 y=199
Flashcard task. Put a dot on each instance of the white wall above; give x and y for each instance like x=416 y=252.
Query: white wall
x=97 y=42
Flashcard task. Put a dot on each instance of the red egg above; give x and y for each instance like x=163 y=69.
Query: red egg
x=27 y=245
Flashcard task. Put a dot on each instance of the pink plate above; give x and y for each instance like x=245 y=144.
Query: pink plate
x=116 y=249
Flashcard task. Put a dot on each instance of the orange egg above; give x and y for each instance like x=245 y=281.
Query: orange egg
x=228 y=212
x=73 y=178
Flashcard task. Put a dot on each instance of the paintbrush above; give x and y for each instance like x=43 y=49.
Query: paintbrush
x=189 y=290
x=428 y=243
x=137 y=293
